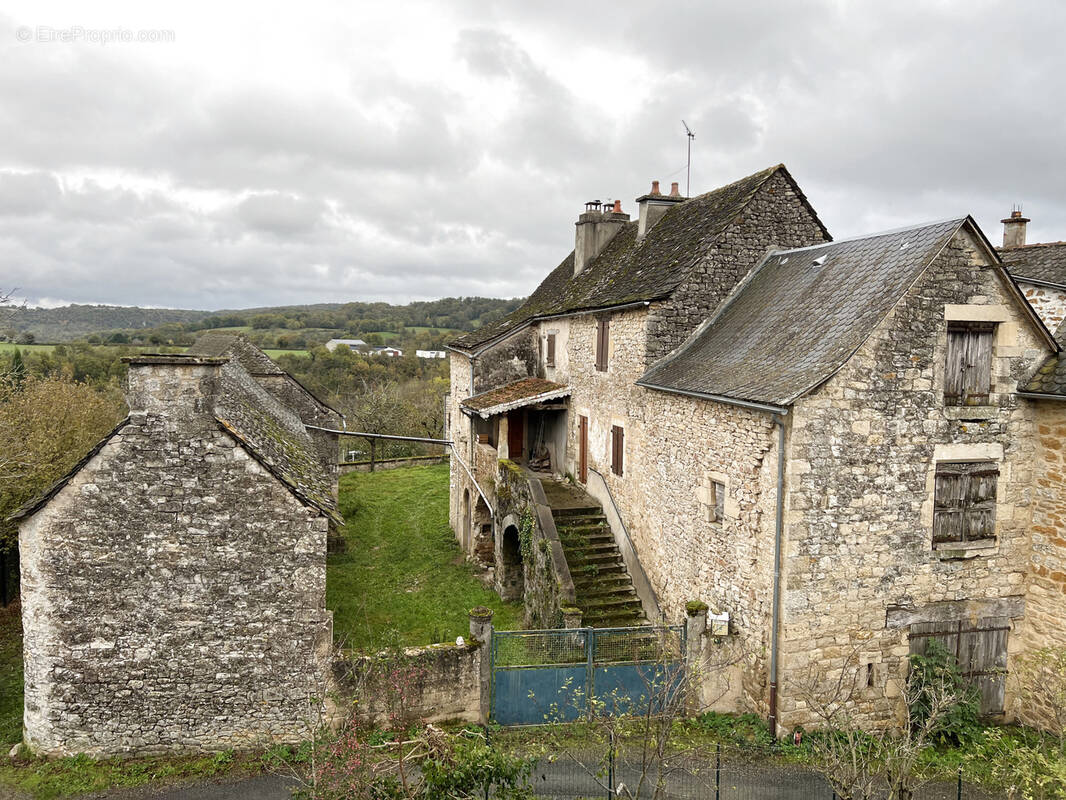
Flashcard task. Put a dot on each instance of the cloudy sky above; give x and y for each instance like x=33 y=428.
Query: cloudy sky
x=301 y=152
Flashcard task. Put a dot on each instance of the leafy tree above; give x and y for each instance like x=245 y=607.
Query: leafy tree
x=46 y=425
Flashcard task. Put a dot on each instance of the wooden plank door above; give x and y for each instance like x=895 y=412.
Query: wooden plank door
x=516 y=436
x=979 y=649
x=583 y=449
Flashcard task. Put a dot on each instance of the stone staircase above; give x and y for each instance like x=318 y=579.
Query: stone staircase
x=603 y=588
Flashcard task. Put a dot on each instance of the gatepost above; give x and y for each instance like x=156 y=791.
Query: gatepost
x=481 y=632
x=695 y=628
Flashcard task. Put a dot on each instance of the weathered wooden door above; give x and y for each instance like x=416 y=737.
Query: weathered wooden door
x=583 y=449
x=980 y=650
x=516 y=435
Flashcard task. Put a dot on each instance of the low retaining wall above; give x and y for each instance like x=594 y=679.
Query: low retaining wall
x=390 y=463
x=433 y=683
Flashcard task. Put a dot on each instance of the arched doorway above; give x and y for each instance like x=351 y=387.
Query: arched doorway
x=464 y=534
x=512 y=581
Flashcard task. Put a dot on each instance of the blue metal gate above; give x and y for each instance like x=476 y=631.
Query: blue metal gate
x=562 y=674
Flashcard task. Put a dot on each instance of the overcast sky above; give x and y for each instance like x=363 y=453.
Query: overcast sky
x=298 y=152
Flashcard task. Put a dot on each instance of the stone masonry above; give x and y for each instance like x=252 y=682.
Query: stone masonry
x=173 y=587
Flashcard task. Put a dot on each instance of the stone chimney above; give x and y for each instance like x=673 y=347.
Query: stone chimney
x=174 y=388
x=652 y=207
x=595 y=228
x=1014 y=229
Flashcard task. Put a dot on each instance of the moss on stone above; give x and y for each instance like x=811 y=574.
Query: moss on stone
x=694 y=607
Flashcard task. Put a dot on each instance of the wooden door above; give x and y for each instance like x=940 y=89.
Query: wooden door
x=516 y=436
x=583 y=449
x=980 y=650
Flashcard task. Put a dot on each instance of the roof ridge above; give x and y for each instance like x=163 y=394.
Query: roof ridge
x=1018 y=247
x=878 y=234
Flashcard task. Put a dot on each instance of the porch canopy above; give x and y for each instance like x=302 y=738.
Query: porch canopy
x=520 y=394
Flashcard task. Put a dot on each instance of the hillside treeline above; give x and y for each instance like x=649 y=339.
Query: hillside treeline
x=314 y=323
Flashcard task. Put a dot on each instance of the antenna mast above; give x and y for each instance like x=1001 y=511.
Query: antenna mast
x=688 y=164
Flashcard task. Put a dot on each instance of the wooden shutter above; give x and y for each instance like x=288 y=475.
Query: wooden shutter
x=602 y=341
x=964 y=507
x=617 y=449
x=968 y=374
x=551 y=350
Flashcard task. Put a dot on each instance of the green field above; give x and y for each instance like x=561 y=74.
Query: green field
x=403 y=570
x=276 y=353
x=9 y=347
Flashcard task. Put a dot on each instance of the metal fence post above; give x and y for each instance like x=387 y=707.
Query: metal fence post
x=718 y=771
x=958 y=788
x=610 y=767
x=590 y=648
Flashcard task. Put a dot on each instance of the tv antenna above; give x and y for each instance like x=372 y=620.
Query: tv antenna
x=688 y=164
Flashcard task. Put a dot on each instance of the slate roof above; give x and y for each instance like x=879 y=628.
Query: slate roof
x=515 y=395
x=799 y=316
x=1041 y=262
x=627 y=271
x=271 y=433
x=275 y=437
x=232 y=345
x=217 y=344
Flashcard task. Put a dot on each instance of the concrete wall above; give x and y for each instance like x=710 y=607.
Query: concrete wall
x=860 y=475
x=173 y=590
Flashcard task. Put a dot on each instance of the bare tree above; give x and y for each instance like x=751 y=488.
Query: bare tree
x=868 y=760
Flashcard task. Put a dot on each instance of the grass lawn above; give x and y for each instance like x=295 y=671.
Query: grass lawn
x=10 y=677
x=403 y=570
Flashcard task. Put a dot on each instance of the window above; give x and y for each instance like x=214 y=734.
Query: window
x=617 y=449
x=603 y=339
x=550 y=359
x=968 y=374
x=717 y=505
x=964 y=505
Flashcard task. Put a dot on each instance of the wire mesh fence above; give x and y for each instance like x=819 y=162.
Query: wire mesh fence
x=716 y=773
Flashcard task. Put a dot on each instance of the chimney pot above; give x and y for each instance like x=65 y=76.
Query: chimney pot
x=1014 y=229
x=674 y=191
x=655 y=187
x=617 y=207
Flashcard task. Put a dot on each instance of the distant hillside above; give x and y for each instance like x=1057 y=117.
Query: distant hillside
x=121 y=323
x=70 y=323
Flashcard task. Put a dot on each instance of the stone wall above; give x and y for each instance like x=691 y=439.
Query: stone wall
x=435 y=683
x=173 y=590
x=776 y=216
x=1045 y=604
x=1049 y=303
x=860 y=476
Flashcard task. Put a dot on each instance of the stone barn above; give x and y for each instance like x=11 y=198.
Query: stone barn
x=173 y=582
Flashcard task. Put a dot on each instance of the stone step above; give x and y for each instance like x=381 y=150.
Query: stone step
x=614 y=621
x=597 y=557
x=578 y=520
x=618 y=589
x=577 y=534
x=578 y=548
x=612 y=605
x=578 y=572
x=576 y=511
x=592 y=583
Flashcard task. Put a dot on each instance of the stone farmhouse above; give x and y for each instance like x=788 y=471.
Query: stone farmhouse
x=847 y=449
x=173 y=583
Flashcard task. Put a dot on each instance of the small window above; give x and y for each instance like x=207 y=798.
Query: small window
x=717 y=501
x=964 y=507
x=968 y=373
x=550 y=359
x=603 y=338
x=617 y=449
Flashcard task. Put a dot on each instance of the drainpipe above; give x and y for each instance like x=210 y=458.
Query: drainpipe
x=778 y=530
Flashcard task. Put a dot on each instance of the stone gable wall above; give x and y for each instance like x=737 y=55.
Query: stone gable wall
x=1049 y=303
x=776 y=216
x=861 y=460
x=173 y=591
